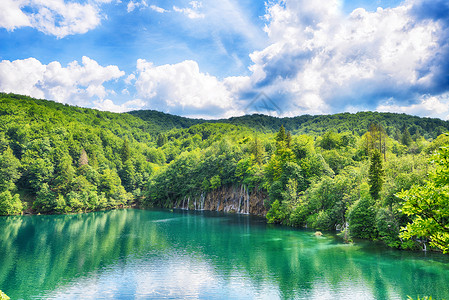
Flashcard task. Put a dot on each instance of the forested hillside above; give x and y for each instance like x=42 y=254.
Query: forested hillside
x=344 y=174
x=357 y=123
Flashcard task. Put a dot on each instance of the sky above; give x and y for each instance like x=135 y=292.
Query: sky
x=214 y=59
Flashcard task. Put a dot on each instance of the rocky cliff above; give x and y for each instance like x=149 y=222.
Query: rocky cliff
x=227 y=199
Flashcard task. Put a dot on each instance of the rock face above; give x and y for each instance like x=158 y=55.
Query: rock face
x=227 y=199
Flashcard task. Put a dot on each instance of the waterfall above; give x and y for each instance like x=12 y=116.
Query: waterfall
x=218 y=206
x=240 y=201
x=188 y=203
x=203 y=200
x=184 y=203
x=247 y=200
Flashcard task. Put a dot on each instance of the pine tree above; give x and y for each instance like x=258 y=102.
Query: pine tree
x=126 y=152
x=375 y=174
x=281 y=136
x=258 y=151
x=288 y=139
x=406 y=138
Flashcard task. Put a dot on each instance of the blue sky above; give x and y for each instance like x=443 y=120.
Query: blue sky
x=210 y=58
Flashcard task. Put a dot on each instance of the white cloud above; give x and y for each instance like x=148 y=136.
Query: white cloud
x=130 y=78
x=54 y=17
x=108 y=105
x=133 y=5
x=11 y=16
x=182 y=89
x=158 y=9
x=191 y=12
x=74 y=84
x=428 y=106
x=321 y=61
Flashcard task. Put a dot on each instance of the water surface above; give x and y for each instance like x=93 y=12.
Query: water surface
x=145 y=254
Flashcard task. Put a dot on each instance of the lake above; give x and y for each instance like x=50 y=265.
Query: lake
x=153 y=254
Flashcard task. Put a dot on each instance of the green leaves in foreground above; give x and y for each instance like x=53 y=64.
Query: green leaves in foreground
x=3 y=296
x=428 y=205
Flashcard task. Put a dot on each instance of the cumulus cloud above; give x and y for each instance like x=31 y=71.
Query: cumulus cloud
x=53 y=17
x=321 y=61
x=11 y=16
x=182 y=89
x=428 y=106
x=74 y=84
x=109 y=105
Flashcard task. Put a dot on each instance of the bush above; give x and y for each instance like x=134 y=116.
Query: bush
x=10 y=205
x=388 y=227
x=362 y=218
x=277 y=213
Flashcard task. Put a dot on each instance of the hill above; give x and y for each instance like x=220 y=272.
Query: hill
x=357 y=123
x=324 y=172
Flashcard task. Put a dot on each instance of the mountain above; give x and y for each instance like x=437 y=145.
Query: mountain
x=357 y=123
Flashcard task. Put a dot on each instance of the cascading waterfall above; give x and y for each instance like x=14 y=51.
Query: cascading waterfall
x=240 y=201
x=227 y=199
x=247 y=201
x=203 y=200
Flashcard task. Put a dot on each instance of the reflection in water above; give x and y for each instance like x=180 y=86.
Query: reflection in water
x=159 y=254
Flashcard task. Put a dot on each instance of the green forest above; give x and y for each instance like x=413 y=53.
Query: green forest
x=369 y=175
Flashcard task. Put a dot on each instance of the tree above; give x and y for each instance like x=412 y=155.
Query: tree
x=161 y=140
x=257 y=151
x=375 y=175
x=9 y=170
x=10 y=205
x=277 y=213
x=288 y=139
x=428 y=205
x=330 y=140
x=362 y=218
x=65 y=174
x=376 y=139
x=125 y=152
x=406 y=138
x=281 y=135
x=45 y=200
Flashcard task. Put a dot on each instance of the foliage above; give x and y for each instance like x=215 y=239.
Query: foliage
x=428 y=205
x=375 y=174
x=9 y=204
x=3 y=296
x=277 y=213
x=357 y=123
x=362 y=218
x=318 y=171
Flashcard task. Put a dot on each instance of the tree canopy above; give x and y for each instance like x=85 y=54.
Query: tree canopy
x=342 y=171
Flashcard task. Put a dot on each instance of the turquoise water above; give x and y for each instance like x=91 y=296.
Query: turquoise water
x=153 y=254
